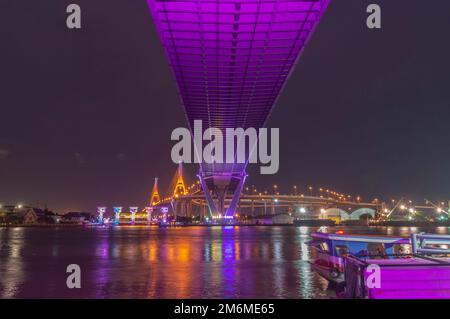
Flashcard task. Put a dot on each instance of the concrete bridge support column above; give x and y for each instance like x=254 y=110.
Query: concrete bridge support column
x=220 y=187
x=189 y=211
x=204 y=212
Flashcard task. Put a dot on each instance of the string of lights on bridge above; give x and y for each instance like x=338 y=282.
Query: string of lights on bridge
x=309 y=192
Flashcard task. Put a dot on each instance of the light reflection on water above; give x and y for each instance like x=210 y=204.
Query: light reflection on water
x=188 y=262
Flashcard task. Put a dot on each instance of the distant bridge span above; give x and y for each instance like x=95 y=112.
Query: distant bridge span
x=271 y=205
x=183 y=199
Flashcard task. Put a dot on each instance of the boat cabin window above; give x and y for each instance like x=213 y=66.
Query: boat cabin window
x=376 y=250
x=341 y=250
x=401 y=249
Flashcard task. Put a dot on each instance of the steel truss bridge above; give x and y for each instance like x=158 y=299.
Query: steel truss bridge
x=271 y=205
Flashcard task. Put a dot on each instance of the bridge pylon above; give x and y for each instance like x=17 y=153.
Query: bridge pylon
x=219 y=185
x=179 y=186
x=154 y=197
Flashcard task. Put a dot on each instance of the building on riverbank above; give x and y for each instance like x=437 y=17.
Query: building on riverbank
x=26 y=215
x=77 y=218
x=283 y=219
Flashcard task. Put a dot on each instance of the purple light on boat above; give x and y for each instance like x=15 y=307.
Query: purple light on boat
x=411 y=279
x=231 y=59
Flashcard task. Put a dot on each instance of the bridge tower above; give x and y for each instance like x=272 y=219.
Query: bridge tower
x=155 y=198
x=180 y=187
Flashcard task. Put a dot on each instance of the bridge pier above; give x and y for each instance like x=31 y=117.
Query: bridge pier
x=203 y=212
x=149 y=211
x=220 y=186
x=189 y=211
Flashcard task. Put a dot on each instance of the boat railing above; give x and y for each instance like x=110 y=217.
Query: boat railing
x=440 y=244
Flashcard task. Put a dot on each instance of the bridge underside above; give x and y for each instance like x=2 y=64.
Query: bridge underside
x=231 y=59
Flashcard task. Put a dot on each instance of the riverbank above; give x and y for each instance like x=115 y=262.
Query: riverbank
x=407 y=223
x=43 y=225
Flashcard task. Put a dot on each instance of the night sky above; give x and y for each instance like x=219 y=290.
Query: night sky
x=86 y=115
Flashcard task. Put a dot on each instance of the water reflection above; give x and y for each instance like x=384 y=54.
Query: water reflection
x=11 y=265
x=149 y=262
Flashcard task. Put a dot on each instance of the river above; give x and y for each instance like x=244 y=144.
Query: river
x=152 y=262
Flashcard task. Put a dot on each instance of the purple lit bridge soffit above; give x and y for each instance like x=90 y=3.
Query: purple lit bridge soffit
x=231 y=60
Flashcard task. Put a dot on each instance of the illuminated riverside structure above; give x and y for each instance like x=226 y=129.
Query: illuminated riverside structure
x=188 y=204
x=231 y=60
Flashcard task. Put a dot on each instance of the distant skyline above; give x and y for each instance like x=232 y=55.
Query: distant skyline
x=87 y=114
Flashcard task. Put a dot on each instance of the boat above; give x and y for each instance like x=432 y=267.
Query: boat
x=171 y=224
x=425 y=274
x=329 y=250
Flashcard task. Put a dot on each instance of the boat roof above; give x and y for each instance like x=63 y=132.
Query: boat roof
x=361 y=238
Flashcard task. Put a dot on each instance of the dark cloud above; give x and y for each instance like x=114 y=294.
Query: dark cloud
x=121 y=156
x=81 y=161
x=4 y=154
